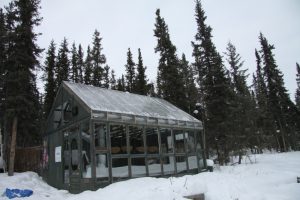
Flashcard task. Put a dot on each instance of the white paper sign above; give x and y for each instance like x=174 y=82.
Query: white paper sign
x=58 y=154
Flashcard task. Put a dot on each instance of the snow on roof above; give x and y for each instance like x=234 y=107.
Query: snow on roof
x=106 y=100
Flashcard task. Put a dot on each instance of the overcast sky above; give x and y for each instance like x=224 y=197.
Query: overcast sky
x=129 y=24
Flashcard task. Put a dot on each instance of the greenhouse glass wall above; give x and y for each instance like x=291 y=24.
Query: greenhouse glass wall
x=97 y=136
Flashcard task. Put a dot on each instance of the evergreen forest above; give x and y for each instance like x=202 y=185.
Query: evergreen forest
x=213 y=87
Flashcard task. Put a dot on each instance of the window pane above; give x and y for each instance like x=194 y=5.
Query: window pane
x=85 y=153
x=199 y=143
x=66 y=150
x=152 y=141
x=193 y=162
x=120 y=167
x=179 y=141
x=100 y=135
x=181 y=164
x=154 y=166
x=169 y=165
x=74 y=154
x=118 y=139
x=101 y=167
x=136 y=139
x=199 y=148
x=190 y=142
x=138 y=167
x=166 y=141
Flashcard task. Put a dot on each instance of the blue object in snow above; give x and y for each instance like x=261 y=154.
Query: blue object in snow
x=13 y=193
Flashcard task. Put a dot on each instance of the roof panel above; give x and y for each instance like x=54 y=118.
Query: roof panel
x=106 y=100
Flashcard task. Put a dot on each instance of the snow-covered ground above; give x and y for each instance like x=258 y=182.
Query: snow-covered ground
x=271 y=177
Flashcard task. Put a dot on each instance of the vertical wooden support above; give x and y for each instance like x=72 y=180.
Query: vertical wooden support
x=160 y=151
x=173 y=141
x=13 y=147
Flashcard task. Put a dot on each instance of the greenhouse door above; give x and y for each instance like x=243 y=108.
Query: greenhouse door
x=75 y=161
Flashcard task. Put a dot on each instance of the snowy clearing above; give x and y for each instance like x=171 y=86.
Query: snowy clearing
x=272 y=177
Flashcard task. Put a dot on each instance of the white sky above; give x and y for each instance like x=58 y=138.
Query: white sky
x=123 y=24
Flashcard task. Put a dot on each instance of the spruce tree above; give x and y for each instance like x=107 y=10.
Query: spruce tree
x=22 y=97
x=215 y=90
x=106 y=78
x=242 y=105
x=113 y=81
x=265 y=124
x=74 y=64
x=169 y=81
x=63 y=64
x=141 y=78
x=279 y=103
x=80 y=64
x=130 y=73
x=3 y=44
x=98 y=60
x=50 y=86
x=88 y=70
x=121 y=86
x=297 y=96
x=190 y=89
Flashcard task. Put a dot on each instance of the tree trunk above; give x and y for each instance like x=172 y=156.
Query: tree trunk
x=13 y=147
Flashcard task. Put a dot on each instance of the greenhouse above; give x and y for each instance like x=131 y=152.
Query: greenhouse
x=95 y=137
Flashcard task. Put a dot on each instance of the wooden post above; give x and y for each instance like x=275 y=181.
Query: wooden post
x=13 y=147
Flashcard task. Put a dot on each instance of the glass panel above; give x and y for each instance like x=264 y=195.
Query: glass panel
x=181 y=164
x=193 y=162
x=66 y=150
x=74 y=154
x=190 y=142
x=199 y=148
x=85 y=150
x=154 y=166
x=120 y=167
x=166 y=141
x=100 y=135
x=138 y=167
x=118 y=139
x=67 y=112
x=199 y=143
x=101 y=167
x=191 y=149
x=136 y=139
x=179 y=141
x=169 y=165
x=152 y=141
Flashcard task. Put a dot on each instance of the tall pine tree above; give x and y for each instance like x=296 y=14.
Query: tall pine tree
x=190 y=89
x=297 y=96
x=215 y=89
x=130 y=73
x=106 y=79
x=278 y=99
x=88 y=70
x=121 y=85
x=169 y=81
x=22 y=106
x=80 y=63
x=63 y=64
x=98 y=60
x=113 y=81
x=264 y=121
x=3 y=44
x=141 y=78
x=74 y=64
x=242 y=106
x=50 y=86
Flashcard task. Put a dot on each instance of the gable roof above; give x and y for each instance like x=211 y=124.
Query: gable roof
x=100 y=100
